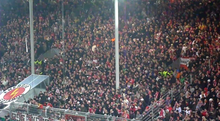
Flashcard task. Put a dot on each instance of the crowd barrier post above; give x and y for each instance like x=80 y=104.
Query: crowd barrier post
x=109 y=118
x=28 y=108
x=152 y=112
x=172 y=90
x=46 y=111
x=10 y=110
x=86 y=116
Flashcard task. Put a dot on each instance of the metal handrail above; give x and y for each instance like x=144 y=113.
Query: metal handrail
x=47 y=111
x=154 y=108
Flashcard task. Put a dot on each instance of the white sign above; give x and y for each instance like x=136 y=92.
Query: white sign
x=14 y=93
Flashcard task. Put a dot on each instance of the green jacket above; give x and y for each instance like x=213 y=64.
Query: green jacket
x=165 y=73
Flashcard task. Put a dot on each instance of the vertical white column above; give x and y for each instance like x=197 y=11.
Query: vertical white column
x=116 y=46
x=63 y=39
x=31 y=35
x=63 y=22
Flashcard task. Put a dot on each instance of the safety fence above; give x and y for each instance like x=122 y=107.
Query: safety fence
x=154 y=109
x=28 y=112
x=153 y=112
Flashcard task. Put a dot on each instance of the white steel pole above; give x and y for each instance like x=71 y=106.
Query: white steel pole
x=31 y=35
x=63 y=22
x=63 y=39
x=116 y=46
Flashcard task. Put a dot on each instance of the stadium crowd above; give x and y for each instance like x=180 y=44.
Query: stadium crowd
x=152 y=36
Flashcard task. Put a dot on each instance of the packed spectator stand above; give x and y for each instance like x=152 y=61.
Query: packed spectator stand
x=153 y=35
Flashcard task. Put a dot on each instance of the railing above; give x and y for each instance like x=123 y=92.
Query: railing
x=175 y=92
x=23 y=111
x=154 y=109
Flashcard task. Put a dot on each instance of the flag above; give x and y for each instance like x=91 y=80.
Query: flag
x=184 y=62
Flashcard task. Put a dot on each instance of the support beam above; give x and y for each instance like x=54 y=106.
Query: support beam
x=116 y=46
x=31 y=35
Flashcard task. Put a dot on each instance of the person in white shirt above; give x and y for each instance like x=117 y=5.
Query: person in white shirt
x=179 y=109
x=184 y=48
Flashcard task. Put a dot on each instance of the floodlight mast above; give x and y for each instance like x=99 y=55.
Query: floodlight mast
x=63 y=39
x=31 y=35
x=116 y=46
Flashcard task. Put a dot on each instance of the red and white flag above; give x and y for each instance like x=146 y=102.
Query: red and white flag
x=184 y=62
